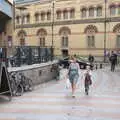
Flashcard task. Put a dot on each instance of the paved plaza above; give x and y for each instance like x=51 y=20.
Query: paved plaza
x=53 y=101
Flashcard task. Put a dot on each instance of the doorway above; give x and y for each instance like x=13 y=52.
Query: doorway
x=64 y=53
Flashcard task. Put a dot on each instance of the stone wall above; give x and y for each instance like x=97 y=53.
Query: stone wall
x=38 y=73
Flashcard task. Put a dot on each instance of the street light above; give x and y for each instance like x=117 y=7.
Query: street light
x=105 y=32
x=53 y=7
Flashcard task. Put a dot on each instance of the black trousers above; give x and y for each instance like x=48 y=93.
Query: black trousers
x=112 y=67
x=86 y=88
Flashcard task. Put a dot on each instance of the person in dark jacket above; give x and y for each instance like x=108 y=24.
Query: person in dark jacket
x=113 y=60
x=91 y=60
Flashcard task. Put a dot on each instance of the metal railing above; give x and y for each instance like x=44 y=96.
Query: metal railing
x=26 y=55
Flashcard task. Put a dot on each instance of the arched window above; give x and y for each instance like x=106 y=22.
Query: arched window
x=58 y=14
x=48 y=15
x=41 y=36
x=90 y=32
x=112 y=10
x=65 y=14
x=91 y=12
x=99 y=11
x=116 y=30
x=72 y=13
x=42 y=16
x=83 y=12
x=36 y=17
x=21 y=36
x=64 y=32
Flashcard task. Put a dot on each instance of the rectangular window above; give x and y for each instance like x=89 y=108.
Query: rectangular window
x=42 y=17
x=83 y=13
x=65 y=15
x=72 y=14
x=64 y=41
x=28 y=19
x=36 y=17
x=58 y=15
x=118 y=41
x=42 y=42
x=91 y=41
x=112 y=10
x=99 y=11
x=91 y=12
x=119 y=10
x=48 y=16
x=17 y=20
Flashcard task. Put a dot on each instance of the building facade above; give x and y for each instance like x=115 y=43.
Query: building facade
x=6 y=24
x=78 y=27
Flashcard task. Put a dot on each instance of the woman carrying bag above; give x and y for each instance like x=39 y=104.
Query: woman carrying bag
x=73 y=73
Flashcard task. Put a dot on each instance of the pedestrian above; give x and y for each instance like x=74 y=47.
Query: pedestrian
x=73 y=73
x=91 y=60
x=113 y=60
x=87 y=79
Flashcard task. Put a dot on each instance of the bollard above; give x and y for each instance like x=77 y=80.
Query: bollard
x=96 y=66
x=100 y=65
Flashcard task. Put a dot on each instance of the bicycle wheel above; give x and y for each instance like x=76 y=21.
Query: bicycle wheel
x=19 y=90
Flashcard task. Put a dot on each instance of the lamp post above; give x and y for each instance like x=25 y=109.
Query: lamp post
x=53 y=7
x=21 y=8
x=105 y=31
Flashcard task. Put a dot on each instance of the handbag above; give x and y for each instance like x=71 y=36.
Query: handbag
x=68 y=84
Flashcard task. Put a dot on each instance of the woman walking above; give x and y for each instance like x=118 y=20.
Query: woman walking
x=73 y=74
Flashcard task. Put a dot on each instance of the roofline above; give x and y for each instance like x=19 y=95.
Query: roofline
x=31 y=2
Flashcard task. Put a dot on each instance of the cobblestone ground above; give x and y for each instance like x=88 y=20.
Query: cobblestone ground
x=52 y=101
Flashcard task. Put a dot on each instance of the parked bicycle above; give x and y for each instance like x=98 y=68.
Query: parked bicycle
x=15 y=83
x=20 y=83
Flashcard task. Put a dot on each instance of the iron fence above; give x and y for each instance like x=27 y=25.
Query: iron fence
x=26 y=55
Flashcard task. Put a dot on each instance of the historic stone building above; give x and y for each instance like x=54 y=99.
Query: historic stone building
x=72 y=26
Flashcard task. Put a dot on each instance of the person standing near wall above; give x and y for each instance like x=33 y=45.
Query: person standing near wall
x=91 y=60
x=113 y=60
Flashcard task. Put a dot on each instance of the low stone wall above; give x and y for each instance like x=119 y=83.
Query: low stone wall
x=38 y=73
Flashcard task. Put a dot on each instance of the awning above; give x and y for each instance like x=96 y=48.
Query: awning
x=6 y=8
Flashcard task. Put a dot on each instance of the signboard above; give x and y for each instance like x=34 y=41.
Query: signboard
x=5 y=88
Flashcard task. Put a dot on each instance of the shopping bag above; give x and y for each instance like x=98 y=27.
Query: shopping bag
x=68 y=84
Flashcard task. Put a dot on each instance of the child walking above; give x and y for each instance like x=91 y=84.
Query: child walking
x=87 y=80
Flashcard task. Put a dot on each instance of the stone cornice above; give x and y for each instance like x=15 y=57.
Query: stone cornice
x=69 y=22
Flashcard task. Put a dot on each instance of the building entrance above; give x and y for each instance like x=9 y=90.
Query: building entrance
x=64 y=53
